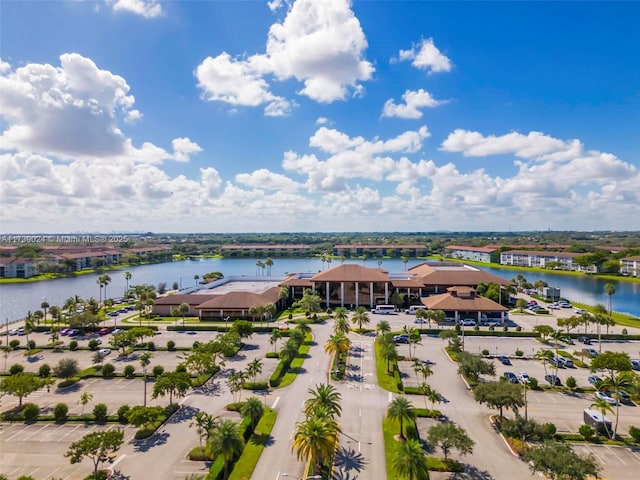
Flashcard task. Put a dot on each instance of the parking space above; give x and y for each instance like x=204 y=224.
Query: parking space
x=616 y=462
x=37 y=449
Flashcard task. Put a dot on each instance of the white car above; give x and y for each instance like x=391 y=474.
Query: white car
x=104 y=351
x=523 y=377
x=607 y=398
x=468 y=322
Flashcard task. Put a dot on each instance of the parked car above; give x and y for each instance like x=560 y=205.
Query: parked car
x=104 y=351
x=419 y=320
x=104 y=331
x=113 y=314
x=511 y=377
x=65 y=331
x=553 y=380
x=16 y=331
x=402 y=338
x=594 y=379
x=556 y=362
x=635 y=364
x=468 y=322
x=591 y=351
x=565 y=362
x=523 y=377
x=503 y=359
x=492 y=323
x=580 y=311
x=585 y=340
x=74 y=332
x=606 y=397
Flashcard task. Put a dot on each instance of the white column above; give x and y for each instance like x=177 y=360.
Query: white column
x=342 y=294
x=357 y=295
x=327 y=294
x=386 y=292
x=370 y=294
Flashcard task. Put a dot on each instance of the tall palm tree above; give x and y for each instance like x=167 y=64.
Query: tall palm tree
x=196 y=277
x=268 y=263
x=360 y=317
x=409 y=461
x=430 y=394
x=389 y=352
x=253 y=409
x=276 y=335
x=227 y=442
x=204 y=423
x=283 y=294
x=183 y=309
x=289 y=351
x=405 y=260
x=340 y=321
x=610 y=290
x=558 y=336
x=600 y=318
x=145 y=360
x=315 y=439
x=437 y=316
x=401 y=409
x=614 y=385
x=101 y=285
x=127 y=277
x=326 y=397
x=254 y=369
x=44 y=306
x=364 y=260
x=603 y=407
x=106 y=279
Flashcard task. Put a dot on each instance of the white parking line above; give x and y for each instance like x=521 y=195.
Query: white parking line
x=612 y=451
x=275 y=403
x=19 y=432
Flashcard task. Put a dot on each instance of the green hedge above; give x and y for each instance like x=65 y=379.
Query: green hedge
x=278 y=373
x=427 y=413
x=247 y=462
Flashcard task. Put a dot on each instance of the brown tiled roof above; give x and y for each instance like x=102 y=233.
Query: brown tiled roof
x=179 y=298
x=240 y=300
x=264 y=247
x=448 y=274
x=541 y=253
x=387 y=245
x=294 y=281
x=350 y=272
x=635 y=258
x=449 y=302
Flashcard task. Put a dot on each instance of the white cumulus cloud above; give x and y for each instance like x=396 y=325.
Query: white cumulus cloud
x=413 y=102
x=426 y=56
x=144 y=8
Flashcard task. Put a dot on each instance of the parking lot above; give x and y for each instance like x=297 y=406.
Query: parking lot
x=616 y=462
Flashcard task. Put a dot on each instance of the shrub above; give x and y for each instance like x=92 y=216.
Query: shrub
x=122 y=414
x=181 y=368
x=624 y=331
x=31 y=412
x=272 y=355
x=60 y=412
x=587 y=432
x=485 y=352
x=31 y=345
x=108 y=370
x=66 y=383
x=15 y=369
x=73 y=345
x=505 y=329
x=171 y=345
x=533 y=383
x=290 y=316
x=93 y=344
x=492 y=328
x=518 y=328
x=571 y=383
x=144 y=433
x=157 y=370
x=548 y=430
x=14 y=344
x=635 y=433
x=100 y=413
x=44 y=371
x=476 y=328
x=519 y=353
x=151 y=346
x=129 y=370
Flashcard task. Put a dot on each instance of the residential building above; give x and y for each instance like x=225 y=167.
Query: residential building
x=541 y=259
x=478 y=254
x=630 y=266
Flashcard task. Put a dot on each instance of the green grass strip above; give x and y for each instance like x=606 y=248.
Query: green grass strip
x=253 y=449
x=385 y=379
x=297 y=362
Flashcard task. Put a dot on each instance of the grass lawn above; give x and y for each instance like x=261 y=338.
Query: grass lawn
x=253 y=449
x=389 y=429
x=619 y=318
x=385 y=379
x=297 y=362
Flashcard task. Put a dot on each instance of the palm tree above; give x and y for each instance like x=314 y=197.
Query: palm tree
x=401 y=409
x=325 y=397
x=557 y=336
x=409 y=461
x=269 y=263
x=603 y=407
x=289 y=351
x=389 y=352
x=315 y=439
x=196 y=277
x=127 y=277
x=437 y=316
x=600 y=318
x=283 y=294
x=364 y=260
x=405 y=260
x=204 y=424
x=276 y=335
x=145 y=360
x=254 y=369
x=360 y=317
x=253 y=409
x=383 y=327
x=614 y=385
x=430 y=394
x=44 y=306
x=106 y=279
x=610 y=290
x=99 y=282
x=340 y=323
x=227 y=442
x=337 y=344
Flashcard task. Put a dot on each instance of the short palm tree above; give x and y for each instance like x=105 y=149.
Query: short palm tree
x=254 y=369
x=409 y=461
x=614 y=385
x=227 y=442
x=315 y=439
x=603 y=407
x=253 y=409
x=340 y=321
x=337 y=344
x=383 y=327
x=389 y=352
x=325 y=396
x=204 y=424
x=401 y=409
x=360 y=317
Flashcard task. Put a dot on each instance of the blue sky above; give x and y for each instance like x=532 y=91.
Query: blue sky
x=139 y=115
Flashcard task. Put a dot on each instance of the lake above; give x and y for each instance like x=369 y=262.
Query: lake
x=17 y=299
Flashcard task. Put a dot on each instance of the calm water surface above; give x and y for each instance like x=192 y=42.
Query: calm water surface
x=17 y=299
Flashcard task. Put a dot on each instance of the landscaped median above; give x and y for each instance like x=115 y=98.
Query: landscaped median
x=292 y=356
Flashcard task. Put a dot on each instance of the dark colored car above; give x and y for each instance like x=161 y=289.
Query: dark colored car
x=594 y=379
x=504 y=360
x=511 y=377
x=403 y=338
x=585 y=340
x=553 y=380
